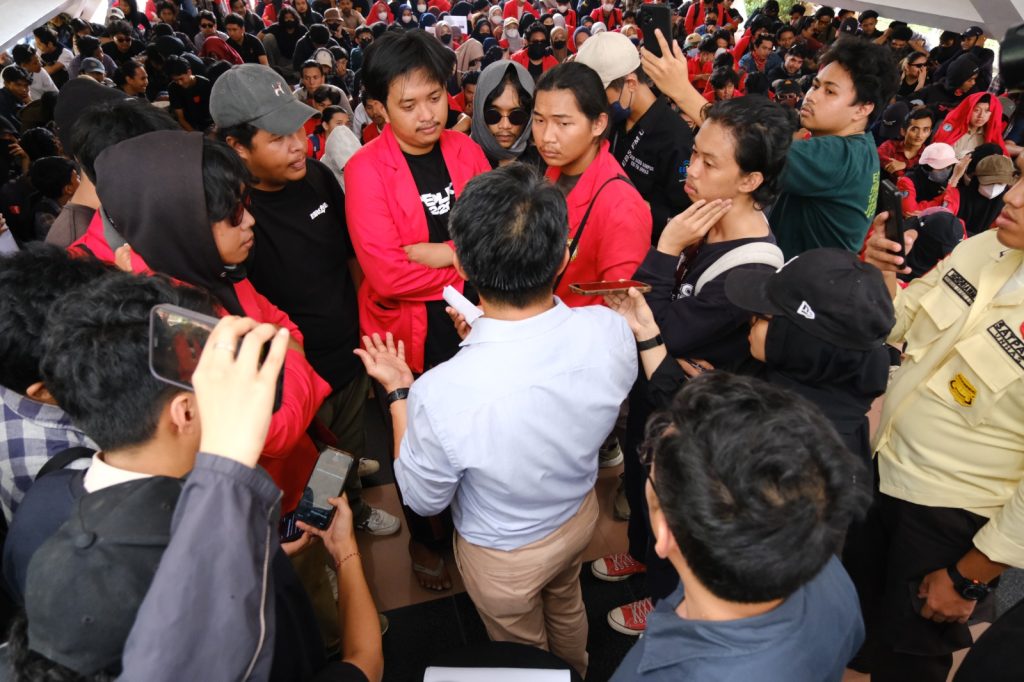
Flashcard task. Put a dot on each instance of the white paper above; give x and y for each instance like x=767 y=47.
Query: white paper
x=7 y=243
x=457 y=21
x=462 y=304
x=495 y=675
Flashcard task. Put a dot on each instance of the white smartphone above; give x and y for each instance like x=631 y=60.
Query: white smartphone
x=462 y=304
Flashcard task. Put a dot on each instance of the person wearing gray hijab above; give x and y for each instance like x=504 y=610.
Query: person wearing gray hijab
x=502 y=114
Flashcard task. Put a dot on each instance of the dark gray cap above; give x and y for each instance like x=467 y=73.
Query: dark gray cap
x=257 y=95
x=93 y=65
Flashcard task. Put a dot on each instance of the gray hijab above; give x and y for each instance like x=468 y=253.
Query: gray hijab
x=490 y=79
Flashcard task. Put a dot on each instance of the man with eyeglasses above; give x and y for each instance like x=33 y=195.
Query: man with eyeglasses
x=122 y=45
x=27 y=58
x=207 y=29
x=649 y=139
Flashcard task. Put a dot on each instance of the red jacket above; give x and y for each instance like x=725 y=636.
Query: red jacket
x=695 y=16
x=523 y=60
x=612 y=21
x=289 y=455
x=617 y=235
x=371 y=18
x=956 y=122
x=384 y=214
x=892 y=150
x=949 y=198
x=510 y=10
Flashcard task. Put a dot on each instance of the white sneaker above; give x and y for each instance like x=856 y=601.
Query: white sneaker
x=379 y=522
x=367 y=467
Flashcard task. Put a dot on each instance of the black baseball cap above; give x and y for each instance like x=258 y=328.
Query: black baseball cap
x=86 y=583
x=973 y=32
x=828 y=293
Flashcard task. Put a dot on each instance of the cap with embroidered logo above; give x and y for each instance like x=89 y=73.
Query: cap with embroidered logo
x=829 y=293
x=257 y=95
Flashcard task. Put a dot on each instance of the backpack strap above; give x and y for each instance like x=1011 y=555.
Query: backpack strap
x=574 y=244
x=754 y=253
x=64 y=458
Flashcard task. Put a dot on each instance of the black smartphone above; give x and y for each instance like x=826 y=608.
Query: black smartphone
x=176 y=339
x=651 y=17
x=891 y=199
x=327 y=480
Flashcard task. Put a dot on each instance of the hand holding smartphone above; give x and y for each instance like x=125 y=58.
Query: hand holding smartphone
x=651 y=17
x=332 y=470
x=606 y=287
x=890 y=200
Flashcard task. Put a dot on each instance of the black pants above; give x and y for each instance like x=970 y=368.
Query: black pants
x=887 y=556
x=996 y=656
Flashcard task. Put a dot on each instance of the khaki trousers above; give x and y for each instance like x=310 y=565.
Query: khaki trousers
x=532 y=594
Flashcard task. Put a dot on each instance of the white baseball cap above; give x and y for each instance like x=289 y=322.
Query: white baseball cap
x=611 y=55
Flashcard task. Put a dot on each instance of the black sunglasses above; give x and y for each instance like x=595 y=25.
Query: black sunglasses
x=238 y=212
x=206 y=25
x=517 y=117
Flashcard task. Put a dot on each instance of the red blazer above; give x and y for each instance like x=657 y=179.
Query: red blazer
x=523 y=60
x=617 y=235
x=384 y=214
x=509 y=10
x=695 y=16
x=612 y=21
x=289 y=455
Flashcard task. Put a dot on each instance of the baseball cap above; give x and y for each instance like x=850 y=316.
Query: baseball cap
x=868 y=14
x=892 y=120
x=1009 y=107
x=86 y=583
x=93 y=65
x=973 y=32
x=994 y=170
x=938 y=155
x=828 y=293
x=786 y=86
x=692 y=40
x=257 y=95
x=611 y=55
x=14 y=74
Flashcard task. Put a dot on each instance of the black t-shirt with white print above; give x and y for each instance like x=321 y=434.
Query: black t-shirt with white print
x=437 y=194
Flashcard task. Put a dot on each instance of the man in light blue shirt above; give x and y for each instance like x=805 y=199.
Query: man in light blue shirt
x=507 y=432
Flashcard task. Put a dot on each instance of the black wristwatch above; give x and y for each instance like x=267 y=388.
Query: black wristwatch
x=650 y=343
x=974 y=590
x=397 y=394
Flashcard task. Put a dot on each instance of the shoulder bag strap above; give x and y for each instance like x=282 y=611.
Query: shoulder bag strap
x=64 y=458
x=574 y=244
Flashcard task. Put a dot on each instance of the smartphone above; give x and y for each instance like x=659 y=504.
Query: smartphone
x=655 y=16
x=327 y=480
x=176 y=339
x=891 y=199
x=619 y=286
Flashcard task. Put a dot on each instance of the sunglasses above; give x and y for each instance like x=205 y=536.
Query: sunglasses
x=122 y=39
x=206 y=25
x=516 y=117
x=238 y=212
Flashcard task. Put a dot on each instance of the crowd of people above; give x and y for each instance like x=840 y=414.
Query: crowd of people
x=320 y=173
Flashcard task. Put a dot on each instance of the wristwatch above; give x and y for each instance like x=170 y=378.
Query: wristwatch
x=968 y=589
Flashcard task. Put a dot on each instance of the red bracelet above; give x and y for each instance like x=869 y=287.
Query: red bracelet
x=337 y=564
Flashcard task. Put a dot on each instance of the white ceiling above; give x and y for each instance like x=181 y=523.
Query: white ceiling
x=995 y=16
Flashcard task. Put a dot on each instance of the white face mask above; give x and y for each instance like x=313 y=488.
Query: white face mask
x=511 y=33
x=608 y=7
x=421 y=8
x=383 y=16
x=563 y=9
x=991 y=191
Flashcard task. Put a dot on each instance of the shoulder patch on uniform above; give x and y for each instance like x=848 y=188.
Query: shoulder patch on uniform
x=1011 y=344
x=947 y=127
x=960 y=286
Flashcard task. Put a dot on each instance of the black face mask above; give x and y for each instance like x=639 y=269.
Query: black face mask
x=558 y=44
x=365 y=42
x=536 y=50
x=288 y=25
x=446 y=39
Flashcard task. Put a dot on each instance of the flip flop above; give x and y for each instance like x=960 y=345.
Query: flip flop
x=432 y=573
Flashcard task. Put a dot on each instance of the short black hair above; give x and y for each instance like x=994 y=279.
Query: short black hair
x=208 y=15
x=50 y=175
x=797 y=8
x=45 y=35
x=708 y=44
x=763 y=38
x=918 y=114
x=872 y=69
x=328 y=93
x=783 y=30
x=224 y=174
x=87 y=45
x=127 y=69
x=722 y=76
x=39 y=142
x=30 y=281
x=234 y=20
x=166 y=4
x=398 y=54
x=471 y=78
x=757 y=487
x=903 y=32
x=310 y=64
x=762 y=131
x=825 y=11
x=96 y=355
x=584 y=84
x=119 y=28
x=22 y=54
x=104 y=125
x=535 y=27
x=319 y=34
x=241 y=133
x=176 y=66
x=510 y=228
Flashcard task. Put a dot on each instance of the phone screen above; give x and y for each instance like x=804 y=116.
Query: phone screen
x=326 y=481
x=176 y=340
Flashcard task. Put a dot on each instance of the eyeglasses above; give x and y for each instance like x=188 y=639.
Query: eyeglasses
x=238 y=212
x=516 y=117
x=207 y=25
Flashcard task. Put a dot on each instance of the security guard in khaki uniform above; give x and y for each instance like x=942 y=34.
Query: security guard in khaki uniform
x=949 y=511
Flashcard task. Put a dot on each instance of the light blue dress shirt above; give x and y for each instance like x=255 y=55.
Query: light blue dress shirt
x=507 y=431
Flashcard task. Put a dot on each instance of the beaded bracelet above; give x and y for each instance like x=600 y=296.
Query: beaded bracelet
x=337 y=565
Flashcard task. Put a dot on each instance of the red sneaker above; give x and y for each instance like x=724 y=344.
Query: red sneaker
x=631 y=619
x=616 y=567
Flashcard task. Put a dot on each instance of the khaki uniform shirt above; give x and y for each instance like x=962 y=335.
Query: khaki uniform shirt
x=952 y=429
